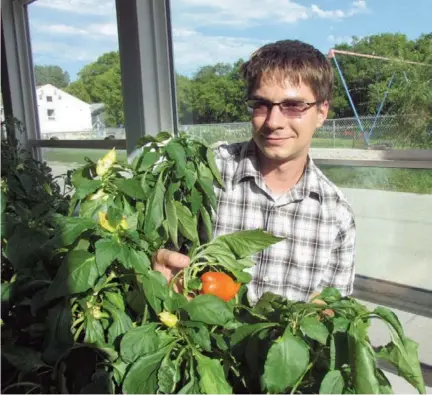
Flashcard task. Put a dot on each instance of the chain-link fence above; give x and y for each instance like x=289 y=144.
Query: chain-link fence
x=381 y=133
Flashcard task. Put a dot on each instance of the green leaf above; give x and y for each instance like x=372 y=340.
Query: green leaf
x=384 y=383
x=116 y=299
x=154 y=210
x=207 y=222
x=187 y=222
x=220 y=341
x=25 y=359
x=174 y=301
x=177 y=153
x=23 y=248
x=286 y=362
x=141 y=378
x=171 y=216
x=198 y=334
x=192 y=387
x=94 y=333
x=196 y=201
x=130 y=187
x=247 y=242
x=168 y=376
x=139 y=261
x=86 y=187
x=212 y=165
x=206 y=185
x=330 y=295
x=121 y=322
x=190 y=176
x=138 y=342
x=362 y=359
x=107 y=251
x=3 y=200
x=77 y=273
x=315 y=329
x=69 y=228
x=404 y=357
x=391 y=318
x=155 y=288
x=100 y=384
x=333 y=383
x=212 y=377
x=59 y=338
x=246 y=330
x=163 y=136
x=147 y=160
x=209 y=309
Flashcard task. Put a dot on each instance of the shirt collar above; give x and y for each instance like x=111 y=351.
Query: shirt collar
x=248 y=167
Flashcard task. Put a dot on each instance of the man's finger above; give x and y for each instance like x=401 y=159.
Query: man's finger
x=171 y=259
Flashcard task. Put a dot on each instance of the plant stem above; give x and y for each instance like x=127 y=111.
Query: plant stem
x=78 y=332
x=144 y=319
x=301 y=378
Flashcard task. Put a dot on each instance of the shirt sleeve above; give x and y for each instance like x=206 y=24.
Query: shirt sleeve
x=340 y=270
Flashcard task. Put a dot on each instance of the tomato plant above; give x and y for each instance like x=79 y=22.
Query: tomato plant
x=82 y=310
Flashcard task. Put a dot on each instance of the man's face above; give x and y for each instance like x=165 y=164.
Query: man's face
x=283 y=137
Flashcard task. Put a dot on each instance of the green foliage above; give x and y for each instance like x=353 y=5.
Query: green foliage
x=85 y=316
x=51 y=74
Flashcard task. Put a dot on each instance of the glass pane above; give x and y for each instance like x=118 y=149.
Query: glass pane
x=61 y=160
x=394 y=221
x=77 y=69
x=392 y=99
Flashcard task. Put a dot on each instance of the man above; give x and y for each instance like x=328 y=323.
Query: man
x=272 y=183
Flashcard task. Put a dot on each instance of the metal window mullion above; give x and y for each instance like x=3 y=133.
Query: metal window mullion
x=146 y=68
x=20 y=70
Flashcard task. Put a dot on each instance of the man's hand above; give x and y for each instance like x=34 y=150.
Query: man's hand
x=169 y=263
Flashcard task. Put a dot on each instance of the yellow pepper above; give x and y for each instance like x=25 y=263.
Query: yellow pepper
x=104 y=164
x=168 y=319
x=103 y=221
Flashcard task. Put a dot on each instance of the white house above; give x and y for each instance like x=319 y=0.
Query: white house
x=61 y=113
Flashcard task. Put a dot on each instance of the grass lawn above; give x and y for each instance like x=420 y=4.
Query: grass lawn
x=67 y=155
x=386 y=179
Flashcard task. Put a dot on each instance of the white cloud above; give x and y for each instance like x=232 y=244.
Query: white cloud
x=357 y=7
x=49 y=51
x=88 y=7
x=193 y=49
x=92 y=31
x=237 y=13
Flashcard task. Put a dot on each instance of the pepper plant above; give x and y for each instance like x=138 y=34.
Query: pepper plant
x=99 y=319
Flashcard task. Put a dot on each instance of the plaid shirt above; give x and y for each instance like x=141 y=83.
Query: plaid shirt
x=314 y=218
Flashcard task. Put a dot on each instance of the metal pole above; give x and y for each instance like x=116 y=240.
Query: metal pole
x=381 y=106
x=365 y=135
x=334 y=133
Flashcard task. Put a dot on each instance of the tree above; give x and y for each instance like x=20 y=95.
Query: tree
x=100 y=82
x=51 y=74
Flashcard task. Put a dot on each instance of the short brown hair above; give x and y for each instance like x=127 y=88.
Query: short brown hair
x=290 y=60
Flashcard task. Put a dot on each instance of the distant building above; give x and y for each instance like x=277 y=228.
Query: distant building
x=61 y=113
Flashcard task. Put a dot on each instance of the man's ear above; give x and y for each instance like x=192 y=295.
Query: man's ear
x=322 y=109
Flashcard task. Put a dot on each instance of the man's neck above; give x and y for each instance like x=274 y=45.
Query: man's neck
x=280 y=177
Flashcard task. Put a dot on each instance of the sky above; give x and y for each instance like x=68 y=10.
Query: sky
x=73 y=33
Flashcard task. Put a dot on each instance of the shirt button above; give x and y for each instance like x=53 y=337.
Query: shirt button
x=266 y=279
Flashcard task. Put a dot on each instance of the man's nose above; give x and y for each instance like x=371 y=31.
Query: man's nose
x=275 y=119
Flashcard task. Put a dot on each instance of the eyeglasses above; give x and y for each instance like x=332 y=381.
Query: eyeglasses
x=288 y=108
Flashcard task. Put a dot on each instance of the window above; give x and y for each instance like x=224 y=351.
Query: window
x=390 y=115
x=51 y=114
x=89 y=74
